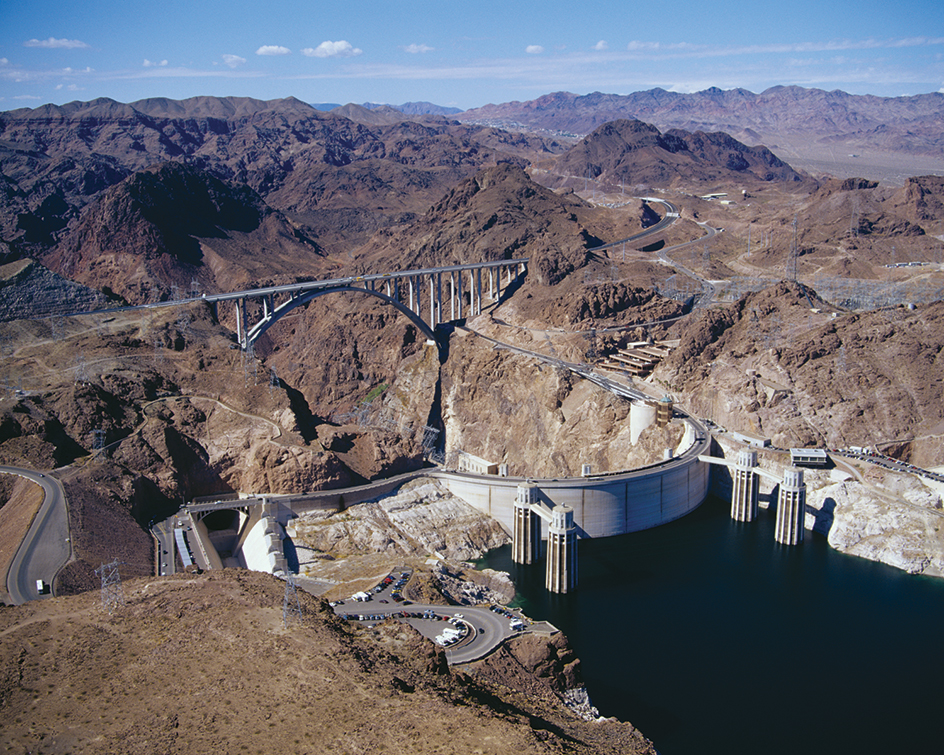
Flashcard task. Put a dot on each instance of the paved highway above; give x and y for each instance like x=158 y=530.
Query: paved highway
x=671 y=215
x=47 y=546
x=708 y=289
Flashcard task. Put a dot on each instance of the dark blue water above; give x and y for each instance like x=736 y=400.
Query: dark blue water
x=710 y=637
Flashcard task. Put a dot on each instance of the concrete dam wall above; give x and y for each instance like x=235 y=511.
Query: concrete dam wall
x=602 y=506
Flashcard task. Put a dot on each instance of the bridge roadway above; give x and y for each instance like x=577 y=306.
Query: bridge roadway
x=671 y=215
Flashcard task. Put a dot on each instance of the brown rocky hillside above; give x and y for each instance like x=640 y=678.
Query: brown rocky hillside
x=339 y=179
x=772 y=366
x=633 y=153
x=173 y=225
x=204 y=664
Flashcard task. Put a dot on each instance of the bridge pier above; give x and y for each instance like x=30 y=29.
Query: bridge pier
x=744 y=494
x=239 y=323
x=561 y=551
x=526 y=535
x=791 y=508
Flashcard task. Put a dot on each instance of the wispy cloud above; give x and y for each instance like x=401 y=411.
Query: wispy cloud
x=233 y=60
x=273 y=50
x=414 y=48
x=53 y=43
x=26 y=97
x=601 y=45
x=534 y=49
x=153 y=63
x=686 y=49
x=340 y=49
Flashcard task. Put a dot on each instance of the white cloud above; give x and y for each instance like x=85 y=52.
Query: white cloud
x=3 y=61
x=414 y=48
x=340 y=49
x=26 y=97
x=52 y=42
x=534 y=49
x=233 y=60
x=273 y=50
x=153 y=63
x=601 y=45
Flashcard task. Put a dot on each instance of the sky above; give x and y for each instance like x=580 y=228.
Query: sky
x=459 y=54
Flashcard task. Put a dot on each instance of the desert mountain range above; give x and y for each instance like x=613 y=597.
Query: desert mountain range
x=898 y=124
x=822 y=328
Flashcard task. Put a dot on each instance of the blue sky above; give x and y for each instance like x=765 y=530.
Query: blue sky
x=462 y=54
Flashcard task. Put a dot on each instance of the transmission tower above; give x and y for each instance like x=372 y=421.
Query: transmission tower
x=291 y=605
x=250 y=366
x=794 y=253
x=854 y=222
x=81 y=370
x=590 y=336
x=430 y=436
x=183 y=323
x=194 y=288
x=113 y=595
x=158 y=343
x=56 y=328
x=98 y=439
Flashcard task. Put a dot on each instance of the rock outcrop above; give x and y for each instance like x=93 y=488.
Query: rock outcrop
x=422 y=519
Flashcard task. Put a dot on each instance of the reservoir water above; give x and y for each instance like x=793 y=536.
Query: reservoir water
x=712 y=638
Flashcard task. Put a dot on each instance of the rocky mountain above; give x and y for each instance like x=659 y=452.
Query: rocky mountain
x=901 y=124
x=27 y=290
x=340 y=179
x=497 y=214
x=772 y=365
x=417 y=108
x=173 y=224
x=633 y=152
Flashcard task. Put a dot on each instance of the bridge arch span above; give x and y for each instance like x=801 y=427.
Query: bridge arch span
x=254 y=333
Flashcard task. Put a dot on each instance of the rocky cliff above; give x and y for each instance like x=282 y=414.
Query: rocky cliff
x=773 y=365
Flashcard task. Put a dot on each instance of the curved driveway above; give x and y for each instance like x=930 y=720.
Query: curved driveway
x=488 y=629
x=46 y=547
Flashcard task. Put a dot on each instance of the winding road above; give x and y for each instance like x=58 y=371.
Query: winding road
x=47 y=546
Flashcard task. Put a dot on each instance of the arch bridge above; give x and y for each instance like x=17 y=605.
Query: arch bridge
x=428 y=297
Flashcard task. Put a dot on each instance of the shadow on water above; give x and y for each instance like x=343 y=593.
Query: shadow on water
x=711 y=637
